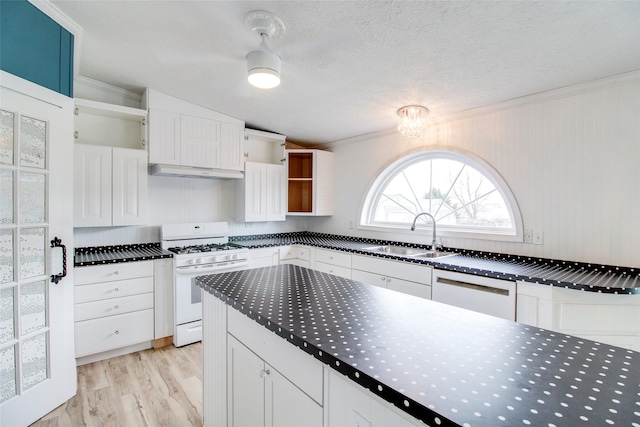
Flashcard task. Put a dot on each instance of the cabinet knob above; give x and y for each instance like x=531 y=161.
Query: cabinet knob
x=116 y=289
x=383 y=278
x=116 y=272
x=264 y=373
x=116 y=307
x=117 y=332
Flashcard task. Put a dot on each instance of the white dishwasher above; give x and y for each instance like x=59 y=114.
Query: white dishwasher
x=482 y=294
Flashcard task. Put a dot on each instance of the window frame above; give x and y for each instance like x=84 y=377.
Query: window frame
x=389 y=172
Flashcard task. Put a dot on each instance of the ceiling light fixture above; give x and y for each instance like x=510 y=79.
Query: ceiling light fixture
x=413 y=120
x=263 y=66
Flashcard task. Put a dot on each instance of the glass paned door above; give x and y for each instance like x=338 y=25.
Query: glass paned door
x=24 y=327
x=37 y=366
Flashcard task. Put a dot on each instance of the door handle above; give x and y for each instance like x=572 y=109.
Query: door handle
x=57 y=243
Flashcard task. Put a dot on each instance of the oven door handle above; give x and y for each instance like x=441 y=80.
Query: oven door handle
x=196 y=271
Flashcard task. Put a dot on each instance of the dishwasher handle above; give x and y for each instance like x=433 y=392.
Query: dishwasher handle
x=472 y=286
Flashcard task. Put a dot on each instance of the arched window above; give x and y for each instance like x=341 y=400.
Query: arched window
x=467 y=197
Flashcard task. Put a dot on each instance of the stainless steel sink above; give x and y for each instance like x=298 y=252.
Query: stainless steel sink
x=408 y=252
x=435 y=254
x=395 y=250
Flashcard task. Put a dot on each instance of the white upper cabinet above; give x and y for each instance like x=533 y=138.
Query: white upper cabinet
x=164 y=131
x=110 y=165
x=310 y=189
x=199 y=142
x=185 y=134
x=263 y=194
x=110 y=186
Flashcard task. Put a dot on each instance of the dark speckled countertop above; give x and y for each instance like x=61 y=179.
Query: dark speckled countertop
x=443 y=365
x=97 y=255
x=566 y=274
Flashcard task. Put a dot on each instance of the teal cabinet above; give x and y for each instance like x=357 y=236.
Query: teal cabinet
x=35 y=47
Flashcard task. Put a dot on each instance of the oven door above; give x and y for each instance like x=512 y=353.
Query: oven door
x=187 y=296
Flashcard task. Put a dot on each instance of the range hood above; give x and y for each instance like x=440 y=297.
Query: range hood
x=193 y=172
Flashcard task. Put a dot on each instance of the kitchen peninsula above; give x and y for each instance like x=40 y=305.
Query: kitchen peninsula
x=419 y=360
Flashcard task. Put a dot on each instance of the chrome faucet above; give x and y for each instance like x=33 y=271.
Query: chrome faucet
x=434 y=242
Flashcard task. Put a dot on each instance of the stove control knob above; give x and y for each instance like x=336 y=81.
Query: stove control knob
x=191 y=261
x=198 y=260
x=234 y=256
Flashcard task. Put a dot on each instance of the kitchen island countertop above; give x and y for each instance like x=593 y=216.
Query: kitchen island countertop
x=440 y=364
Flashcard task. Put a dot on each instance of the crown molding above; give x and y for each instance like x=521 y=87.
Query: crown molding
x=107 y=88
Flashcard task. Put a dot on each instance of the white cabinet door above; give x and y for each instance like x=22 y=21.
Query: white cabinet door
x=286 y=405
x=199 y=142
x=245 y=382
x=231 y=146
x=261 y=396
x=265 y=192
x=276 y=192
x=130 y=186
x=110 y=186
x=263 y=257
x=92 y=185
x=255 y=193
x=164 y=137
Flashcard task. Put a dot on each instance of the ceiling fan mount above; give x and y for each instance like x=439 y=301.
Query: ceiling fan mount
x=264 y=24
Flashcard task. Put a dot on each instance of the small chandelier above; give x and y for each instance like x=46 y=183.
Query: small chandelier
x=413 y=120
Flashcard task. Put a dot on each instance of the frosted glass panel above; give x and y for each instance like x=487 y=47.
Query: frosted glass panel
x=33 y=138
x=7 y=373
x=32 y=252
x=33 y=312
x=6 y=137
x=6 y=197
x=34 y=361
x=32 y=197
x=7 y=332
x=6 y=256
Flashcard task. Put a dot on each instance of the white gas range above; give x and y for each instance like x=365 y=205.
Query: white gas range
x=199 y=249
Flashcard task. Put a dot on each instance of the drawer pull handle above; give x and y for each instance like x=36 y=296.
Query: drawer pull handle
x=116 y=307
x=117 y=332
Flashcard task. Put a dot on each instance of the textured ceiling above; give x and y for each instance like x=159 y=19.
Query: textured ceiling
x=347 y=66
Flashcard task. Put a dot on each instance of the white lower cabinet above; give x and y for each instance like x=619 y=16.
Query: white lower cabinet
x=350 y=405
x=608 y=318
x=296 y=254
x=263 y=257
x=113 y=307
x=403 y=277
x=260 y=396
x=333 y=262
x=270 y=382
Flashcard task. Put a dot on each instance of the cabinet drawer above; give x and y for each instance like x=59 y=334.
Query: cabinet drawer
x=116 y=289
x=108 y=333
x=333 y=269
x=332 y=257
x=112 y=306
x=402 y=270
x=108 y=272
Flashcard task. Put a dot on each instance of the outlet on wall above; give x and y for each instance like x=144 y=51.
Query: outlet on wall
x=537 y=237
x=527 y=235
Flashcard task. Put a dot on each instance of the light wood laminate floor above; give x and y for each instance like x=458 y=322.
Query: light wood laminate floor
x=160 y=387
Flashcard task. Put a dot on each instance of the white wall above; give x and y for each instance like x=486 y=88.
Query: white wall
x=571 y=157
x=176 y=199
